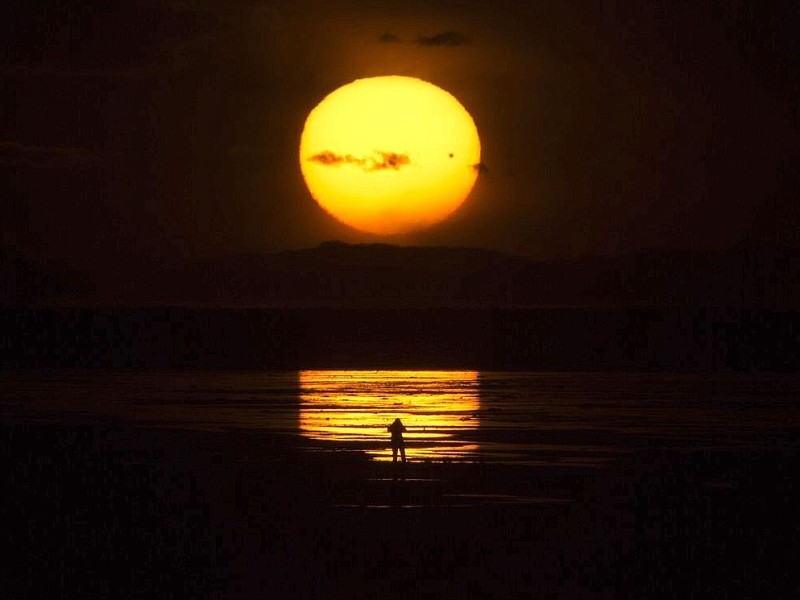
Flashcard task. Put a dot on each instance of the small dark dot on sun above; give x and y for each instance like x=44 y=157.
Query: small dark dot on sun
x=450 y=155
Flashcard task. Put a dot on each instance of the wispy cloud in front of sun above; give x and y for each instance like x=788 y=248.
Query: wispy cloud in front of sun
x=380 y=161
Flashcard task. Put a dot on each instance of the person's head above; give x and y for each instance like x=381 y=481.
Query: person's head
x=398 y=421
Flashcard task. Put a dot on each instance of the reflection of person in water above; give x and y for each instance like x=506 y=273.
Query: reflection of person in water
x=398 y=443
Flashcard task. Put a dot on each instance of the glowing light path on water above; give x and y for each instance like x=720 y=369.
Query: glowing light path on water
x=353 y=409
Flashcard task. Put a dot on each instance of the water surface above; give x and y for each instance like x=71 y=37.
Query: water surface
x=582 y=419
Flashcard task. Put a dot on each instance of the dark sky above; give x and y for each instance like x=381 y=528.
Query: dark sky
x=154 y=131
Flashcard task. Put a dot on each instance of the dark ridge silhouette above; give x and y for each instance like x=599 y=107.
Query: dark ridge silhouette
x=26 y=282
x=335 y=274
x=559 y=339
x=382 y=306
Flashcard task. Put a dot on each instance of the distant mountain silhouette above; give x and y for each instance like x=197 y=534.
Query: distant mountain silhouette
x=385 y=276
x=27 y=282
x=380 y=306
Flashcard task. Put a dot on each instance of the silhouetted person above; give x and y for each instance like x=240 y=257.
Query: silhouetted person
x=398 y=443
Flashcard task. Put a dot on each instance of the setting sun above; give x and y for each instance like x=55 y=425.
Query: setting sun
x=390 y=155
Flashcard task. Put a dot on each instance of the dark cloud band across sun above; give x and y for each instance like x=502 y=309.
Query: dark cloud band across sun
x=382 y=162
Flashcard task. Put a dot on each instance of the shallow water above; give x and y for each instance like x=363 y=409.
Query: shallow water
x=573 y=419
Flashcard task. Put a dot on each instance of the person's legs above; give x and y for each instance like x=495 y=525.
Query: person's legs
x=394 y=452
x=403 y=452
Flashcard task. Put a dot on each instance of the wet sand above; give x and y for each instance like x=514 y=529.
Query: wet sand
x=103 y=509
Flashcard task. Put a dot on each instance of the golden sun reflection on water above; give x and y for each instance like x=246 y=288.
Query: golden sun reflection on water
x=354 y=408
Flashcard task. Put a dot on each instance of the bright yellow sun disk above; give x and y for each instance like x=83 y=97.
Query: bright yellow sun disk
x=389 y=155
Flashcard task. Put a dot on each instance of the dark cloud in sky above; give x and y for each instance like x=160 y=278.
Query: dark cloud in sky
x=383 y=161
x=389 y=38
x=445 y=38
x=480 y=167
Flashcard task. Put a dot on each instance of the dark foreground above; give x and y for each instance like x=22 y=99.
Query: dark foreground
x=110 y=511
